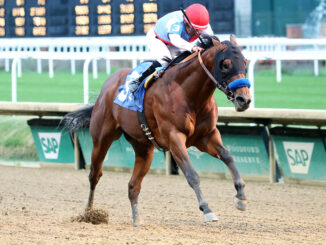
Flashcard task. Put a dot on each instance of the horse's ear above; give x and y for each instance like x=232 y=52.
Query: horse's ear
x=220 y=46
x=215 y=42
x=233 y=40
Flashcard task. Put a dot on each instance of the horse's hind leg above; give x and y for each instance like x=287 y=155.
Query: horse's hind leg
x=143 y=160
x=102 y=140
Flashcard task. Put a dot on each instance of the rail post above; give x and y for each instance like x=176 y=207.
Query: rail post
x=252 y=80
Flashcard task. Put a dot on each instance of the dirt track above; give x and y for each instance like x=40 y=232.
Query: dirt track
x=36 y=206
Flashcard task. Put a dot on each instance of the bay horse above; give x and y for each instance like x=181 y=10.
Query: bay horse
x=181 y=112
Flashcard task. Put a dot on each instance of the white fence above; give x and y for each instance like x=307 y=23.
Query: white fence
x=134 y=49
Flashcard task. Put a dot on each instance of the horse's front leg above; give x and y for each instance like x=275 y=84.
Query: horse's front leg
x=213 y=145
x=180 y=154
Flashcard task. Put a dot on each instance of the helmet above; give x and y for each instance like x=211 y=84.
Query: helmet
x=198 y=16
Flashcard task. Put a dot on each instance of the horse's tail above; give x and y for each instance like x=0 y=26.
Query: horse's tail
x=77 y=119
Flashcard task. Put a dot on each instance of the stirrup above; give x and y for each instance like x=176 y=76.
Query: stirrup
x=150 y=79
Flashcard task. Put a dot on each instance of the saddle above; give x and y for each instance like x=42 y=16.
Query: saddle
x=182 y=58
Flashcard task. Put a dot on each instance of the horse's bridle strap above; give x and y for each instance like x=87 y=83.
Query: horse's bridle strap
x=210 y=75
x=189 y=57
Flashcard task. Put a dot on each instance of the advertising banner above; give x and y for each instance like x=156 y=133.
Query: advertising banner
x=53 y=144
x=247 y=146
x=301 y=154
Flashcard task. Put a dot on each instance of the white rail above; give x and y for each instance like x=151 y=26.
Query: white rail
x=82 y=45
x=279 y=56
x=134 y=49
x=86 y=57
x=92 y=57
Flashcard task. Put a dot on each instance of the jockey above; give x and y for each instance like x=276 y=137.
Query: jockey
x=173 y=34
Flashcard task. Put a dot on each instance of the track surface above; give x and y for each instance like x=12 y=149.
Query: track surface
x=36 y=206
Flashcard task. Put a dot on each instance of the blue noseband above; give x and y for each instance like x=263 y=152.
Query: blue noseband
x=239 y=83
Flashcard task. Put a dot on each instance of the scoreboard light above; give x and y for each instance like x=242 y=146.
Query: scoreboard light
x=82 y=20
x=18 y=12
x=150 y=7
x=2 y=22
x=104 y=29
x=81 y=10
x=20 y=21
x=127 y=18
x=104 y=9
x=127 y=29
x=2 y=12
x=39 y=31
x=39 y=21
x=37 y=11
x=2 y=32
x=104 y=19
x=147 y=27
x=20 y=31
x=41 y=2
x=2 y=2
x=150 y=18
x=127 y=8
x=20 y=2
x=82 y=30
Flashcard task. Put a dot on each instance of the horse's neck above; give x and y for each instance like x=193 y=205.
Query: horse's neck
x=198 y=86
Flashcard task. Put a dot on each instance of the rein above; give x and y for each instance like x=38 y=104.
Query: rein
x=224 y=89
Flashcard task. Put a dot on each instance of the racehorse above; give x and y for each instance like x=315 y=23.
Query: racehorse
x=181 y=112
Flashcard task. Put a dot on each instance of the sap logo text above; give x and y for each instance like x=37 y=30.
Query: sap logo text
x=50 y=143
x=298 y=155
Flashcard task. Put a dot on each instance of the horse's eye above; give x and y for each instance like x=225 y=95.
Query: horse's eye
x=225 y=66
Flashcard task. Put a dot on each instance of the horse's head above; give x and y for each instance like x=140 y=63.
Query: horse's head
x=230 y=72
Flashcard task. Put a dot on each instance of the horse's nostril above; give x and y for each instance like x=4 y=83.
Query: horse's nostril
x=240 y=100
x=248 y=101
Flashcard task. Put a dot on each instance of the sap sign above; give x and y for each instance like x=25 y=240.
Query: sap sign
x=298 y=155
x=50 y=144
x=53 y=143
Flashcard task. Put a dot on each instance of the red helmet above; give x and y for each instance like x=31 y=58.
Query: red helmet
x=198 y=16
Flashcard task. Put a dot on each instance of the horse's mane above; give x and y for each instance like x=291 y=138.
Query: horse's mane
x=206 y=44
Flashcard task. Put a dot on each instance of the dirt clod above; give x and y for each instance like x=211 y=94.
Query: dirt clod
x=94 y=216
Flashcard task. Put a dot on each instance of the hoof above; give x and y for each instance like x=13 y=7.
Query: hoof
x=210 y=217
x=87 y=209
x=240 y=204
x=137 y=222
x=135 y=216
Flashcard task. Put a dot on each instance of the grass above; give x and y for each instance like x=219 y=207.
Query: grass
x=16 y=141
x=64 y=87
x=299 y=90
x=295 y=91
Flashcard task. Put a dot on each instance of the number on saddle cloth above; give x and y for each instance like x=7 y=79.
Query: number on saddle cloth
x=138 y=74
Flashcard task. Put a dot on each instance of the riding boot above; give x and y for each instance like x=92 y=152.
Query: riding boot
x=134 y=84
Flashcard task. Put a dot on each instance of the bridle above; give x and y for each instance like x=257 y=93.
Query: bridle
x=223 y=87
x=219 y=80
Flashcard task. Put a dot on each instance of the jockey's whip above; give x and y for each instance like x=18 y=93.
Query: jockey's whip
x=185 y=15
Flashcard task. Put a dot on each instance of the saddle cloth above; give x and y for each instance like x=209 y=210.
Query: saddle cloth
x=129 y=100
